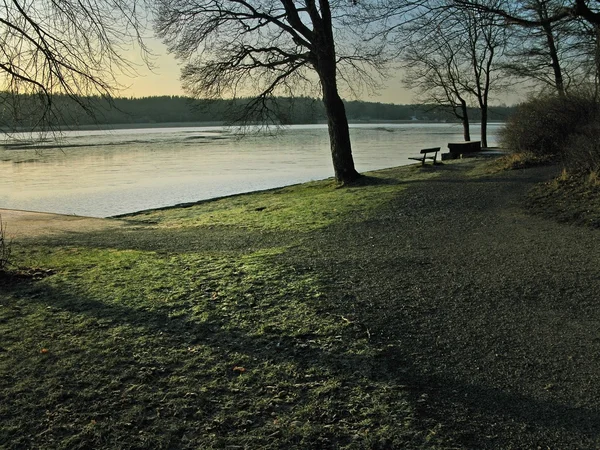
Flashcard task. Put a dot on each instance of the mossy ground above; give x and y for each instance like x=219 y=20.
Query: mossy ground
x=107 y=344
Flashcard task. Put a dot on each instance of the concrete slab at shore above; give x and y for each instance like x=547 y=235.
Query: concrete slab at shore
x=26 y=224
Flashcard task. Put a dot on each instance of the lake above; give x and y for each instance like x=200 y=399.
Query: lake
x=105 y=173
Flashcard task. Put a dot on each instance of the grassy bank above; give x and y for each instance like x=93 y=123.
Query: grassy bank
x=571 y=197
x=190 y=330
x=423 y=308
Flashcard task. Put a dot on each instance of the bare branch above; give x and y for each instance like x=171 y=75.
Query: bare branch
x=261 y=48
x=67 y=47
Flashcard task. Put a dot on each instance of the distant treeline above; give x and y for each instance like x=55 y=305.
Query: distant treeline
x=176 y=109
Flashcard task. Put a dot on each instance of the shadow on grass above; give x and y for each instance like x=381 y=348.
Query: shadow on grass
x=482 y=408
x=433 y=399
x=368 y=180
x=261 y=386
x=179 y=240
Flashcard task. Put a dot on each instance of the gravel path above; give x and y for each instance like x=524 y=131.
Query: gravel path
x=490 y=314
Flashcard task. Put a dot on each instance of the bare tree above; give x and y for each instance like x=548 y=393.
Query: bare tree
x=554 y=54
x=486 y=43
x=588 y=10
x=62 y=47
x=516 y=13
x=435 y=69
x=453 y=58
x=263 y=48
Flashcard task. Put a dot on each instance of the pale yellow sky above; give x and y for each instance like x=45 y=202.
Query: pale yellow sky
x=164 y=80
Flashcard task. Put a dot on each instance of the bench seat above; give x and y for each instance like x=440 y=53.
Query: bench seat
x=424 y=155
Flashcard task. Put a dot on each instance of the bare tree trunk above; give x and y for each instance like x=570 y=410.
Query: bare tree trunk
x=597 y=61
x=339 y=136
x=484 y=120
x=554 y=59
x=337 y=122
x=555 y=63
x=465 y=120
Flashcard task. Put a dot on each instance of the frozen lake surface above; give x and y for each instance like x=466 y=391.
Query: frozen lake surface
x=105 y=173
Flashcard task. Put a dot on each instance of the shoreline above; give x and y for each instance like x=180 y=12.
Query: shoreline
x=138 y=171
x=35 y=221
x=41 y=223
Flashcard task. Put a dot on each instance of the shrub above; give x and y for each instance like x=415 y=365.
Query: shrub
x=5 y=247
x=552 y=126
x=582 y=150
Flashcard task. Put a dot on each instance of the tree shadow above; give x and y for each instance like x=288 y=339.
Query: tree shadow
x=369 y=180
x=437 y=399
x=470 y=410
x=464 y=410
x=180 y=240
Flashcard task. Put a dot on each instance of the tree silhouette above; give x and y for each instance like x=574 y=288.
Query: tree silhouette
x=451 y=56
x=67 y=47
x=264 y=48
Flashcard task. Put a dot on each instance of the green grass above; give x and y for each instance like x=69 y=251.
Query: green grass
x=128 y=348
x=303 y=207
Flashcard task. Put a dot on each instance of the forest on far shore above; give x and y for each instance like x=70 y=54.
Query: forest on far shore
x=178 y=109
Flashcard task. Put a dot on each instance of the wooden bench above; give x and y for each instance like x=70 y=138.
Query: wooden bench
x=460 y=149
x=424 y=154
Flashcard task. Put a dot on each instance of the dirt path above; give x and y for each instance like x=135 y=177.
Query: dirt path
x=28 y=224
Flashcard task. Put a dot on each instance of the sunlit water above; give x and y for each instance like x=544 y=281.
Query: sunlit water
x=105 y=173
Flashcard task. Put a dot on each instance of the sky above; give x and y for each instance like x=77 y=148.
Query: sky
x=164 y=80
